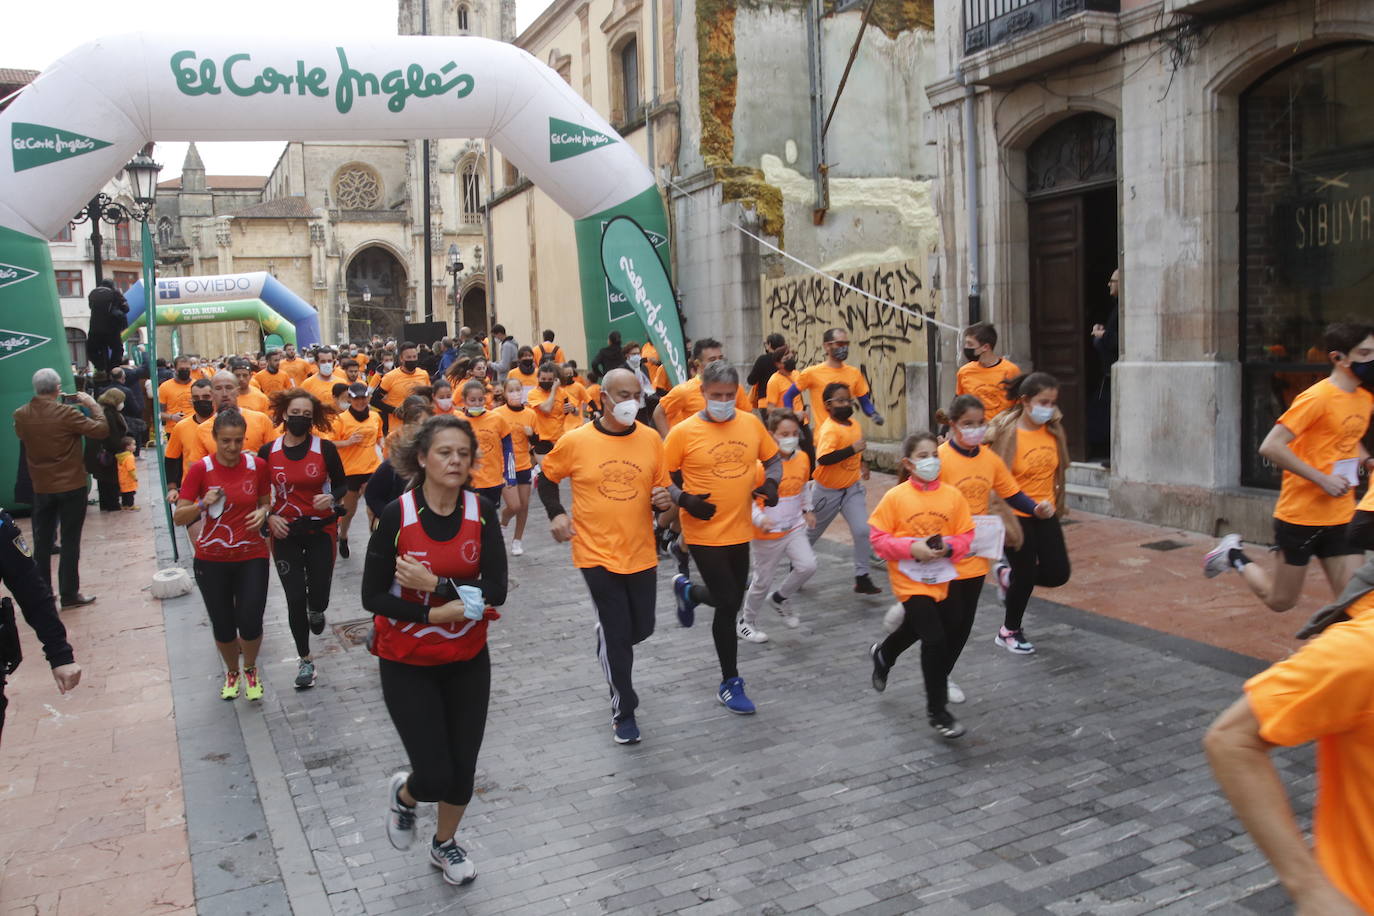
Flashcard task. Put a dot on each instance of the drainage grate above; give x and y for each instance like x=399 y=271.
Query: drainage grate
x=1166 y=544
x=353 y=632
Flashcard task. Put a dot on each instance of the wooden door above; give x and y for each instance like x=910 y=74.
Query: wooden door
x=1056 y=306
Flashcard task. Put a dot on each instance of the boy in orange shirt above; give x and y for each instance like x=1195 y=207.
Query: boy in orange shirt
x=839 y=476
x=128 y=475
x=1316 y=442
x=984 y=373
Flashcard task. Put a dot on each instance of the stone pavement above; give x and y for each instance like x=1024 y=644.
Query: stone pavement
x=1080 y=788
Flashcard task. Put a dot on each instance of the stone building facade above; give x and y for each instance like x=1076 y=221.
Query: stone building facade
x=1219 y=153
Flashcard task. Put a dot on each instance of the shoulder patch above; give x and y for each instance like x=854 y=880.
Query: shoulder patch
x=22 y=545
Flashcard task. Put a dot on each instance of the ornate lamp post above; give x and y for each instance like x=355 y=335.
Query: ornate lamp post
x=142 y=172
x=455 y=267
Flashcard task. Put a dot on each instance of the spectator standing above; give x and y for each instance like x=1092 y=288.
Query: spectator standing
x=767 y=363
x=131 y=381
x=52 y=434
x=505 y=352
x=468 y=346
x=100 y=455
x=109 y=317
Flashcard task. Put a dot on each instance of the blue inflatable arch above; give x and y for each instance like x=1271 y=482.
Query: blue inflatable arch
x=257 y=296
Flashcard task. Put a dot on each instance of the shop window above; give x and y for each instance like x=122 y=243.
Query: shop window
x=1307 y=229
x=69 y=285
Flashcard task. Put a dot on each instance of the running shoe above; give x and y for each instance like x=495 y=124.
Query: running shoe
x=343 y=548
x=316 y=620
x=880 y=669
x=516 y=548
x=686 y=607
x=230 y=690
x=452 y=860
x=679 y=552
x=780 y=605
x=749 y=632
x=252 y=685
x=955 y=694
x=864 y=585
x=731 y=693
x=400 y=817
x=892 y=620
x=1001 y=574
x=1218 y=559
x=626 y=731
x=305 y=674
x=946 y=725
x=1014 y=641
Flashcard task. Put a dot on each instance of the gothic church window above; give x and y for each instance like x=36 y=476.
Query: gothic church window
x=357 y=187
x=462 y=18
x=472 y=192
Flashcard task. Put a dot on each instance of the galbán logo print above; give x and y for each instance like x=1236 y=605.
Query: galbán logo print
x=34 y=145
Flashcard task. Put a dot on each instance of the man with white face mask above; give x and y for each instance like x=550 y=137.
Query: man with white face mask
x=322 y=383
x=619 y=480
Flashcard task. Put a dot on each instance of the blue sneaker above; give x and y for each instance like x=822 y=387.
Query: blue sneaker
x=731 y=693
x=626 y=731
x=686 y=607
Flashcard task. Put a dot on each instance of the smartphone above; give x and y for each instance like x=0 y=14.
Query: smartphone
x=935 y=542
x=70 y=399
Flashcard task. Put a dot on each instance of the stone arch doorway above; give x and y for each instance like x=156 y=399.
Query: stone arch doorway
x=1072 y=216
x=472 y=311
x=377 y=291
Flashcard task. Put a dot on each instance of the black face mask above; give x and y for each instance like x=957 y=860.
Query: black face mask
x=203 y=408
x=842 y=413
x=183 y=375
x=298 y=425
x=969 y=355
x=547 y=386
x=1364 y=372
x=410 y=364
x=273 y=369
x=526 y=365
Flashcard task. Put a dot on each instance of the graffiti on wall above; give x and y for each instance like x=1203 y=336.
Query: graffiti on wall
x=882 y=339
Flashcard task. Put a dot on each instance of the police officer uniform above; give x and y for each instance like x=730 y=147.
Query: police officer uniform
x=20 y=576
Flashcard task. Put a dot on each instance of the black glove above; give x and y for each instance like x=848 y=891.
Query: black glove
x=768 y=490
x=697 y=505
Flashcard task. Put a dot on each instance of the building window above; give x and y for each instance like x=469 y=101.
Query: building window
x=69 y=284
x=124 y=240
x=164 y=232
x=462 y=17
x=76 y=346
x=125 y=279
x=357 y=187
x=472 y=192
x=1307 y=229
x=64 y=234
x=629 y=79
x=509 y=173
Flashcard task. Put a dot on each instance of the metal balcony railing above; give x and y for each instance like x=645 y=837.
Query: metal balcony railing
x=991 y=22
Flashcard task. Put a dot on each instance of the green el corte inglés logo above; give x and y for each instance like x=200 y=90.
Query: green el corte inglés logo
x=11 y=274
x=34 y=145
x=567 y=139
x=12 y=343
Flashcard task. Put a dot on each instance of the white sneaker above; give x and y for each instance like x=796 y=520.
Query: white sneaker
x=749 y=633
x=780 y=605
x=400 y=819
x=516 y=548
x=453 y=861
x=955 y=694
x=1218 y=559
x=892 y=620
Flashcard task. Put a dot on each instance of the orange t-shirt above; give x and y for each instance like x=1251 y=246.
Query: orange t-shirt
x=298 y=369
x=578 y=395
x=985 y=383
x=977 y=477
x=175 y=397
x=612 y=480
x=529 y=381
x=489 y=470
x=260 y=432
x=718 y=458
x=831 y=437
x=777 y=386
x=254 y=399
x=1327 y=425
x=812 y=380
x=549 y=351
x=269 y=383
x=518 y=421
x=907 y=511
x=364 y=457
x=398 y=384
x=1037 y=460
x=182 y=439
x=796 y=471
x=1325 y=693
x=686 y=400
x=322 y=388
x=549 y=426
x=128 y=472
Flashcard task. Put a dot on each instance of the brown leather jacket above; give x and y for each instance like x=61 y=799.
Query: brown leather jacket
x=52 y=435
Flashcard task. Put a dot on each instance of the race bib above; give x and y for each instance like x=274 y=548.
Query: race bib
x=989 y=536
x=931 y=572
x=1348 y=469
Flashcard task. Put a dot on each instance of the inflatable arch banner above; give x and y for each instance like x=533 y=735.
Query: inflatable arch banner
x=91 y=111
x=258 y=297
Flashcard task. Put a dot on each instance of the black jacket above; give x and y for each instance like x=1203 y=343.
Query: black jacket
x=19 y=573
x=109 y=311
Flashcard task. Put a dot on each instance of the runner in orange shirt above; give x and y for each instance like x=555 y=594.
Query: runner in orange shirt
x=814 y=380
x=271 y=379
x=551 y=405
x=520 y=420
x=525 y=371
x=181 y=440
x=577 y=395
x=250 y=396
x=1316 y=442
x=686 y=400
x=711 y=458
x=174 y=395
x=393 y=387
x=839 y=476
x=357 y=433
x=326 y=376
x=619 y=478
x=549 y=352
x=494 y=466
x=441 y=396
x=259 y=431
x=985 y=374
x=921 y=527
x=298 y=369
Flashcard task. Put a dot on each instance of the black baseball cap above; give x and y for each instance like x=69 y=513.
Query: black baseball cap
x=357 y=390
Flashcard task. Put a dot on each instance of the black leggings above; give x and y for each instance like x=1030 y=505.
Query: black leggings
x=235 y=596
x=625 y=618
x=1042 y=560
x=440 y=712
x=725 y=577
x=305 y=566
x=942 y=629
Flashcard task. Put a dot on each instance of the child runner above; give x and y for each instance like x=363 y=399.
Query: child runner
x=520 y=422
x=128 y=475
x=984 y=373
x=839 y=476
x=494 y=467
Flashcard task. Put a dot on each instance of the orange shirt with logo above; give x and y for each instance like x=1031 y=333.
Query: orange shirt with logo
x=269 y=383
x=518 y=421
x=1037 y=460
x=398 y=384
x=364 y=457
x=813 y=380
x=254 y=399
x=613 y=477
x=985 y=383
x=489 y=470
x=908 y=511
x=1327 y=425
x=977 y=478
x=796 y=472
x=718 y=458
x=175 y=397
x=832 y=437
x=685 y=400
x=1325 y=693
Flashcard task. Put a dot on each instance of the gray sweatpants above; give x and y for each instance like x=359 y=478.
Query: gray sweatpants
x=850 y=502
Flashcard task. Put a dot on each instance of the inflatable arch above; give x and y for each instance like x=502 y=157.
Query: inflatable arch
x=87 y=114
x=258 y=297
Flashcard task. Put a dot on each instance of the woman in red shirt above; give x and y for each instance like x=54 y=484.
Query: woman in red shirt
x=435 y=569
x=230 y=491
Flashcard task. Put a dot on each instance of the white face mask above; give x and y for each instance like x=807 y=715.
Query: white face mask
x=1042 y=414
x=345 y=404
x=625 y=411
x=972 y=435
x=634 y=361
x=443 y=403
x=387 y=364
x=720 y=411
x=926 y=469
x=788 y=443
x=326 y=368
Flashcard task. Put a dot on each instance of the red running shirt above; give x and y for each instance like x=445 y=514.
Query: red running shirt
x=225 y=536
x=295 y=484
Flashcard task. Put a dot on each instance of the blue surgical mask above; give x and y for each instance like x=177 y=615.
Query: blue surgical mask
x=1042 y=414
x=721 y=411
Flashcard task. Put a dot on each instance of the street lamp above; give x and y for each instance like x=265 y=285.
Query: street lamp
x=142 y=171
x=455 y=267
